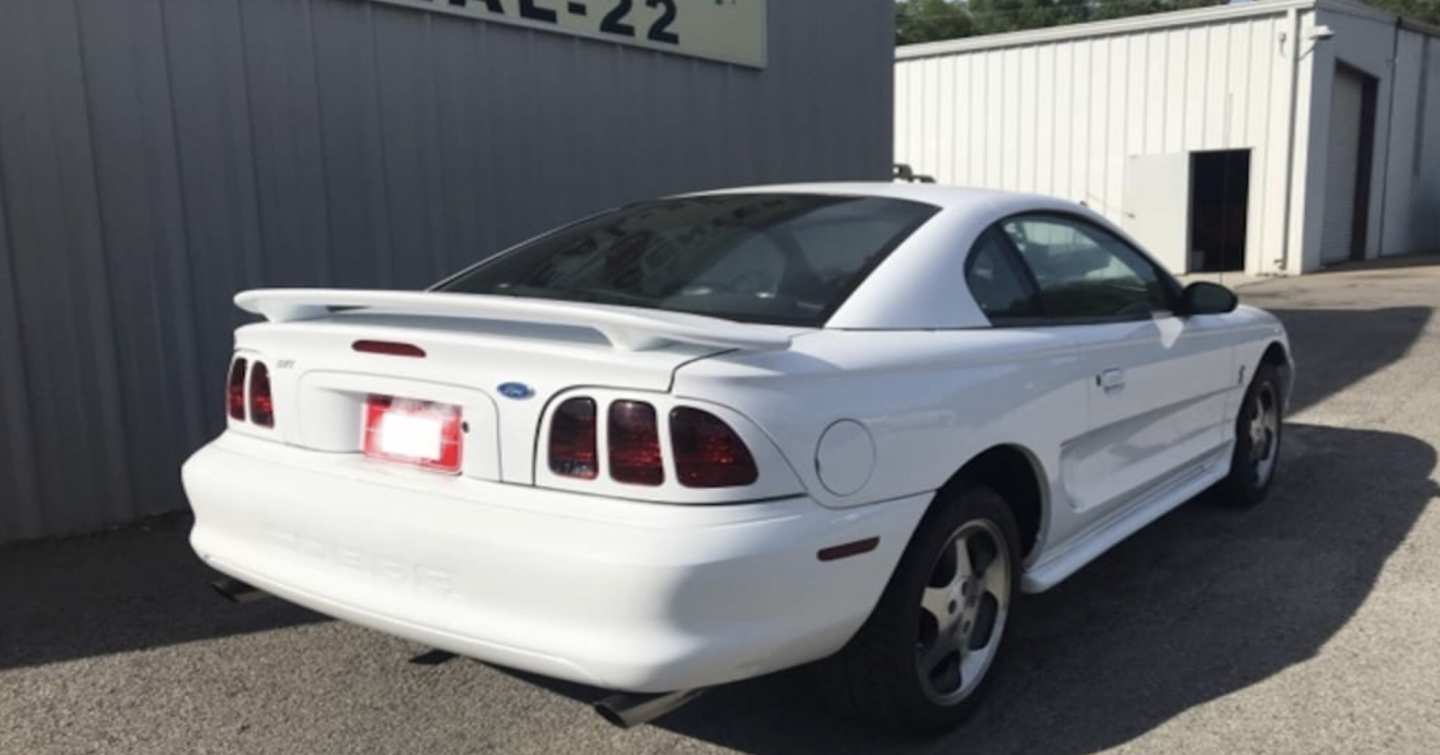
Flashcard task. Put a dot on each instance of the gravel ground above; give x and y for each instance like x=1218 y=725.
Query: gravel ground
x=1310 y=624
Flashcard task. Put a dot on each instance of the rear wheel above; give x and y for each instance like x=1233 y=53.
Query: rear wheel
x=923 y=659
x=1257 y=442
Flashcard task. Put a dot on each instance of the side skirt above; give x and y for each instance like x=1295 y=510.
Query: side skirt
x=1192 y=480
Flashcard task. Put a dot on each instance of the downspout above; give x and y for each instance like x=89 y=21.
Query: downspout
x=1292 y=21
x=1389 y=138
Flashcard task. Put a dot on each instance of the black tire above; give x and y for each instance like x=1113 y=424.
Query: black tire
x=1250 y=475
x=876 y=677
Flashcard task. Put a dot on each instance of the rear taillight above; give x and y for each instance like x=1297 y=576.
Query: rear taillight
x=634 y=443
x=708 y=453
x=235 y=390
x=262 y=408
x=572 y=440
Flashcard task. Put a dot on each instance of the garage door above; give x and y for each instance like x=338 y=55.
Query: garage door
x=1346 y=107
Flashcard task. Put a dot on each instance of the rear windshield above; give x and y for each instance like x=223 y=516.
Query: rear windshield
x=787 y=259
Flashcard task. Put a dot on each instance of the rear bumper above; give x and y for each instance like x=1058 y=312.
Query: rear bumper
x=625 y=595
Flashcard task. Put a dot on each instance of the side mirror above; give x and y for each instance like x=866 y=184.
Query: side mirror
x=1204 y=298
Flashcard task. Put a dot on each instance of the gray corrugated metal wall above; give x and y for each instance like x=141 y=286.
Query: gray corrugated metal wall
x=158 y=155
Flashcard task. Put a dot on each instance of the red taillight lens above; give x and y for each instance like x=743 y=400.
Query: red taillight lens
x=572 y=440
x=262 y=408
x=634 y=444
x=235 y=390
x=708 y=454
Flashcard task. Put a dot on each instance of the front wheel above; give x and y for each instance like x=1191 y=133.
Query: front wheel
x=922 y=660
x=1257 y=441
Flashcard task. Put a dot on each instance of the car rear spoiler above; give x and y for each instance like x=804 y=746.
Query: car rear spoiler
x=627 y=328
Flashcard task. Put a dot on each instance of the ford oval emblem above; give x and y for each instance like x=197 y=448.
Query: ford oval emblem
x=517 y=391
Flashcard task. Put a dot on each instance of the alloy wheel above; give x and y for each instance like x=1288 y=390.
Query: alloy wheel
x=1264 y=433
x=962 y=612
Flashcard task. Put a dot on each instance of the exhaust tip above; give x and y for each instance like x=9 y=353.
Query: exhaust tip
x=627 y=710
x=609 y=714
x=236 y=591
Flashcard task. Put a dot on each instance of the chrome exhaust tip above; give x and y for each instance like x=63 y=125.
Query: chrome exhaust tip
x=627 y=710
x=236 y=591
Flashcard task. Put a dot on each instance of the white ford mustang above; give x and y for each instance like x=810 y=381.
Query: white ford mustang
x=702 y=438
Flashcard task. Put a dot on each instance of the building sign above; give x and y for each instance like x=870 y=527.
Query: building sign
x=728 y=30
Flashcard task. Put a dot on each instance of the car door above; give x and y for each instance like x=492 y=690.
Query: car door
x=1155 y=381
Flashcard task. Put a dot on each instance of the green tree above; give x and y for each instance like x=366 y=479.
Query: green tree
x=929 y=20
x=996 y=16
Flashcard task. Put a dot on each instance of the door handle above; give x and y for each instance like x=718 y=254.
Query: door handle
x=1111 y=379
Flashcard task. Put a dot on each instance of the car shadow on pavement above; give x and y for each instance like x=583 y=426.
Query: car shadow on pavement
x=1337 y=348
x=130 y=589
x=1206 y=601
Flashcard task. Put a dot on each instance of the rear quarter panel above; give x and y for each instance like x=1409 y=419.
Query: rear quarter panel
x=932 y=401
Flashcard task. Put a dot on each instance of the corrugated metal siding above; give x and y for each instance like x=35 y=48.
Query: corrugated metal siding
x=1060 y=117
x=1342 y=164
x=1404 y=195
x=158 y=155
x=1422 y=215
x=1412 y=196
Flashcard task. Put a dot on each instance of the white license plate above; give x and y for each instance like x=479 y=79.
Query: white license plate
x=410 y=431
x=410 y=435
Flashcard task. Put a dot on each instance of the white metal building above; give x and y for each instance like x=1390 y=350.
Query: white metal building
x=1276 y=136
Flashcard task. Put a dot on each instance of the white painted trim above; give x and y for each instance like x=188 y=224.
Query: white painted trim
x=1126 y=25
x=1420 y=27
x=1151 y=22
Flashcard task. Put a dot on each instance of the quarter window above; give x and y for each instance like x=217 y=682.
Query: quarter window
x=1084 y=272
x=998 y=283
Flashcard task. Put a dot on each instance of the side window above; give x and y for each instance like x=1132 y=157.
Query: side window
x=1084 y=272
x=997 y=282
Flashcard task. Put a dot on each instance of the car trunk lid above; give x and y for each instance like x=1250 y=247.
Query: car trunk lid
x=498 y=360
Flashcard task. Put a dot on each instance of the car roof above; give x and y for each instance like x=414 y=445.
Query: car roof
x=940 y=195
x=922 y=283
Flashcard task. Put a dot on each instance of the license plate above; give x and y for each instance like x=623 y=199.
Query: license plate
x=409 y=431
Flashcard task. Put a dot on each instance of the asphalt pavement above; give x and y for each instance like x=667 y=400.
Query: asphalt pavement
x=1309 y=624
